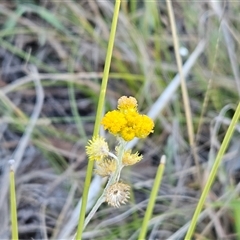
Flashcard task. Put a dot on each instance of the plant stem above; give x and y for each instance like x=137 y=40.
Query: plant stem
x=94 y=209
x=13 y=204
x=98 y=117
x=213 y=172
x=152 y=199
x=185 y=96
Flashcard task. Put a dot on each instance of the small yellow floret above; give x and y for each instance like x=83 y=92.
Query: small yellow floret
x=97 y=148
x=131 y=159
x=144 y=126
x=127 y=133
x=132 y=118
x=114 y=121
x=127 y=104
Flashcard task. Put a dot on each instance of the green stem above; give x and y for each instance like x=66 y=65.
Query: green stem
x=121 y=150
x=98 y=116
x=116 y=175
x=106 y=68
x=94 y=209
x=13 y=205
x=152 y=199
x=213 y=172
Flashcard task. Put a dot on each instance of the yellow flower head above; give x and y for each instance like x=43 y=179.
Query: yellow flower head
x=97 y=148
x=105 y=167
x=126 y=122
x=131 y=159
x=127 y=104
x=117 y=194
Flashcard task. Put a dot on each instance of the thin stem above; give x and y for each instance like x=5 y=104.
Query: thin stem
x=107 y=68
x=116 y=176
x=157 y=182
x=113 y=156
x=110 y=181
x=13 y=203
x=122 y=147
x=213 y=172
x=94 y=209
x=183 y=87
x=98 y=117
x=119 y=173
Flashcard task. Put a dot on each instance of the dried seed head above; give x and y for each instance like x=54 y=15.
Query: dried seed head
x=117 y=194
x=127 y=104
x=130 y=158
x=105 y=167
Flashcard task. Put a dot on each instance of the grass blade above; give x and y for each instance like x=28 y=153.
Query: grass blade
x=13 y=203
x=152 y=199
x=213 y=172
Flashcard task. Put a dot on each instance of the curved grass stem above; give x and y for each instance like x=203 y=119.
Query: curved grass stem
x=213 y=172
x=94 y=209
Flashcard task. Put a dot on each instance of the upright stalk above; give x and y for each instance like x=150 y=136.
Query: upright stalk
x=98 y=117
x=185 y=96
x=13 y=203
x=152 y=199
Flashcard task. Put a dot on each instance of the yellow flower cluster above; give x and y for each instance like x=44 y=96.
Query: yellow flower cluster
x=126 y=122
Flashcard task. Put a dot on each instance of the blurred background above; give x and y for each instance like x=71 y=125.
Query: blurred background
x=52 y=56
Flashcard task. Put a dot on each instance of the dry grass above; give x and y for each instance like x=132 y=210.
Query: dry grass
x=52 y=56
